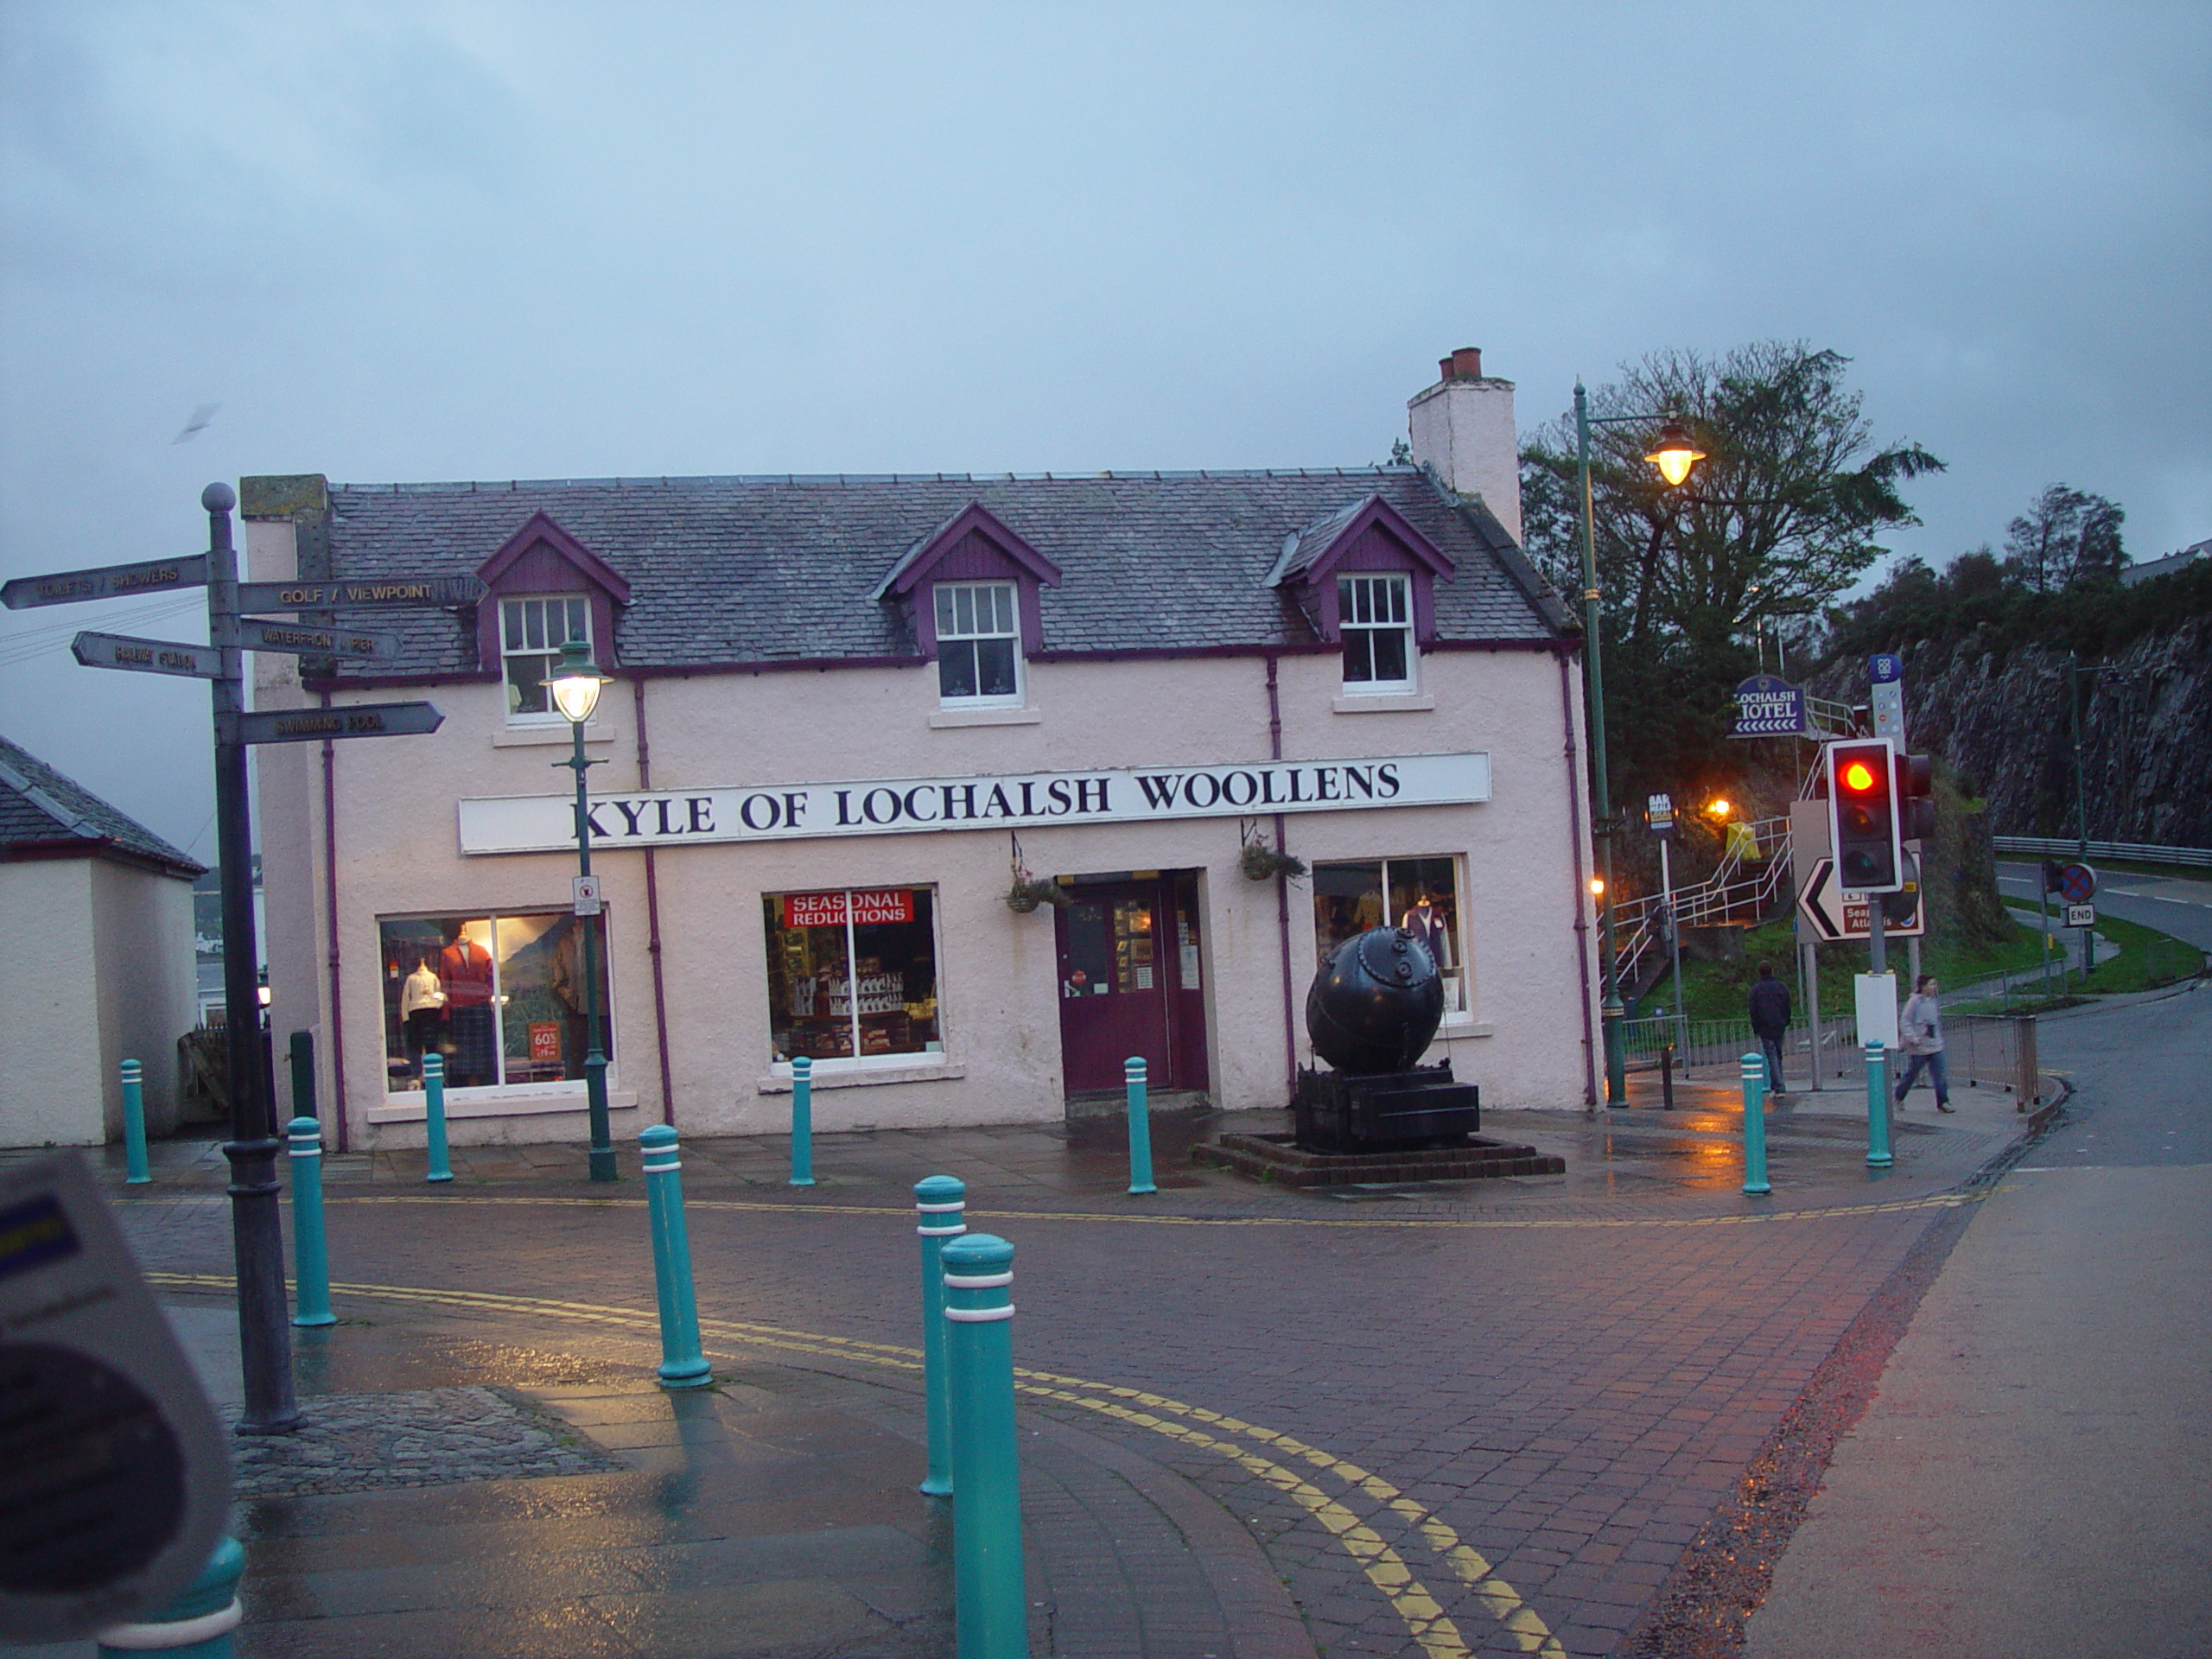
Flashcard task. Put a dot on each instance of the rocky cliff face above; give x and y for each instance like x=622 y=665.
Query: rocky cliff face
x=2001 y=722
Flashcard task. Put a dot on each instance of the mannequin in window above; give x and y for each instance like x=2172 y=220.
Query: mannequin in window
x=568 y=994
x=465 y=970
x=421 y=1011
x=1427 y=923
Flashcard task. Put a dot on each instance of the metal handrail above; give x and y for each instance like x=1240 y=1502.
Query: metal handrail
x=1726 y=895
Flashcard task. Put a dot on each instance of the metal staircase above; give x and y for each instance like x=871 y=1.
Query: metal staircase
x=1741 y=891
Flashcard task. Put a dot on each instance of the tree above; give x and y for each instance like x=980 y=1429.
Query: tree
x=2068 y=537
x=1779 y=519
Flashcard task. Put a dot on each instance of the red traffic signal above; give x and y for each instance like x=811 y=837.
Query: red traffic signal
x=1862 y=779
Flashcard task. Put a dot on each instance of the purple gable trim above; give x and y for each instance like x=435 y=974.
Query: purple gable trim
x=543 y=558
x=1378 y=539
x=975 y=545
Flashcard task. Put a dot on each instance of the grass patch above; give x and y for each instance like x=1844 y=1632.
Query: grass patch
x=1717 y=990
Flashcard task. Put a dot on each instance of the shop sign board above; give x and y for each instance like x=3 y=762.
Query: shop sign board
x=1769 y=706
x=862 y=909
x=257 y=635
x=385 y=593
x=105 y=581
x=146 y=656
x=1659 y=813
x=346 y=719
x=895 y=806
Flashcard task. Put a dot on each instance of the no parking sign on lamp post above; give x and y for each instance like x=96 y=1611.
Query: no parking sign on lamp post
x=575 y=688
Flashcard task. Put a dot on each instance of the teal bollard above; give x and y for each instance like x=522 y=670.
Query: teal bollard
x=990 y=1609
x=434 y=1118
x=1133 y=1069
x=682 y=1365
x=196 y=1623
x=1756 y=1183
x=312 y=1289
x=302 y=1063
x=1879 y=1155
x=134 y=1125
x=802 y=1121
x=941 y=1202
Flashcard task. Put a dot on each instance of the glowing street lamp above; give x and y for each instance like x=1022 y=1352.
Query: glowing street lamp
x=575 y=688
x=1674 y=455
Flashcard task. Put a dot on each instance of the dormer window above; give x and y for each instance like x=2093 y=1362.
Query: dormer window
x=1375 y=621
x=531 y=632
x=978 y=644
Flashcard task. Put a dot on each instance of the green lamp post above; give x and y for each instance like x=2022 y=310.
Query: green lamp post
x=1674 y=455
x=575 y=688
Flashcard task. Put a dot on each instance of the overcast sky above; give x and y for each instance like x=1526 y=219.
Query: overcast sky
x=402 y=242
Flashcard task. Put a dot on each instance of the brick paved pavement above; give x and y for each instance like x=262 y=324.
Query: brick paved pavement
x=1487 y=1419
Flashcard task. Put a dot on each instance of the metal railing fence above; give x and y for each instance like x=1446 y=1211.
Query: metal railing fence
x=1996 y=1051
x=2140 y=852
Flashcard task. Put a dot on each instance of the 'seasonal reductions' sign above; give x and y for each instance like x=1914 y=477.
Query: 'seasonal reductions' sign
x=347 y=720
x=897 y=806
x=146 y=656
x=105 y=581
x=1769 y=706
x=355 y=595
x=305 y=641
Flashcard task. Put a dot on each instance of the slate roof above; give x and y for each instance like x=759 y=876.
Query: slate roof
x=759 y=570
x=41 y=809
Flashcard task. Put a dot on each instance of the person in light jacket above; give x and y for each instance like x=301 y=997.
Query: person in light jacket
x=1920 y=1033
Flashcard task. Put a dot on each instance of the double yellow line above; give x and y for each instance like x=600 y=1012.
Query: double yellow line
x=1231 y=1438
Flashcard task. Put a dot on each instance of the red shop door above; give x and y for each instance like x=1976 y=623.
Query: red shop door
x=1130 y=983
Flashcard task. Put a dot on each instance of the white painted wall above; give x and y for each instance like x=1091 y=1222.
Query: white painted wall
x=1464 y=428
x=102 y=972
x=398 y=854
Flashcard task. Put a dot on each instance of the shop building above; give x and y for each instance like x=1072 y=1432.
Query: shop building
x=849 y=713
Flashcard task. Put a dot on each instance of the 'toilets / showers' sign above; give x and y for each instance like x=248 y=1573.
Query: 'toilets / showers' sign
x=896 y=806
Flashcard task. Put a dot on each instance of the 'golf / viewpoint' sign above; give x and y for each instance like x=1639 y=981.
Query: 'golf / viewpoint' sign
x=897 y=806
x=402 y=591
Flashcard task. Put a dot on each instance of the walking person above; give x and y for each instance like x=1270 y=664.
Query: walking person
x=1769 y=1009
x=1920 y=1033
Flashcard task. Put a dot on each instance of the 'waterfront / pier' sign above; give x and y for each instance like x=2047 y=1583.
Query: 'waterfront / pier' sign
x=895 y=806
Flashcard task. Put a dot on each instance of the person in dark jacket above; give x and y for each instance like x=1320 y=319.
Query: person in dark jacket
x=1769 y=1007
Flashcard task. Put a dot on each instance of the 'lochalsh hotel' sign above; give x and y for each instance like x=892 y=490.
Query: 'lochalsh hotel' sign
x=892 y=806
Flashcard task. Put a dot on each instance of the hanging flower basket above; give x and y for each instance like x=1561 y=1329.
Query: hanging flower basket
x=1027 y=893
x=1262 y=862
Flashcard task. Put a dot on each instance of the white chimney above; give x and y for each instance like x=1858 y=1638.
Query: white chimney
x=1463 y=426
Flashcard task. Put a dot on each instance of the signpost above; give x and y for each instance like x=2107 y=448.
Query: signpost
x=1659 y=812
x=105 y=581
x=264 y=1337
x=305 y=641
x=146 y=656
x=344 y=719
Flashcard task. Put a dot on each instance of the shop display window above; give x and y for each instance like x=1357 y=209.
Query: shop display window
x=1419 y=894
x=852 y=974
x=501 y=998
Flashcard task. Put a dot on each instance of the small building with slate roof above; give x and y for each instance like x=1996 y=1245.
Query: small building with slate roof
x=965 y=789
x=95 y=915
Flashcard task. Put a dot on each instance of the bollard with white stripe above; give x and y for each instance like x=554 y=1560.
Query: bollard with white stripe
x=941 y=1204
x=802 y=1121
x=682 y=1365
x=1878 y=1106
x=195 y=1624
x=1755 y=1181
x=1133 y=1071
x=434 y=1118
x=311 y=1292
x=134 y=1125
x=990 y=1609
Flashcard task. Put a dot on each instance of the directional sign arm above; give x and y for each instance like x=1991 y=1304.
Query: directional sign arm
x=146 y=656
x=105 y=581
x=344 y=719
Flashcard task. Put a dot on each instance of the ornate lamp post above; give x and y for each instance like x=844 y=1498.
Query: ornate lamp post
x=1674 y=455
x=575 y=688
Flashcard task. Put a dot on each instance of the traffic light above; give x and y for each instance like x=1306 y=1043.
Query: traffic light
x=1916 y=797
x=1862 y=778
